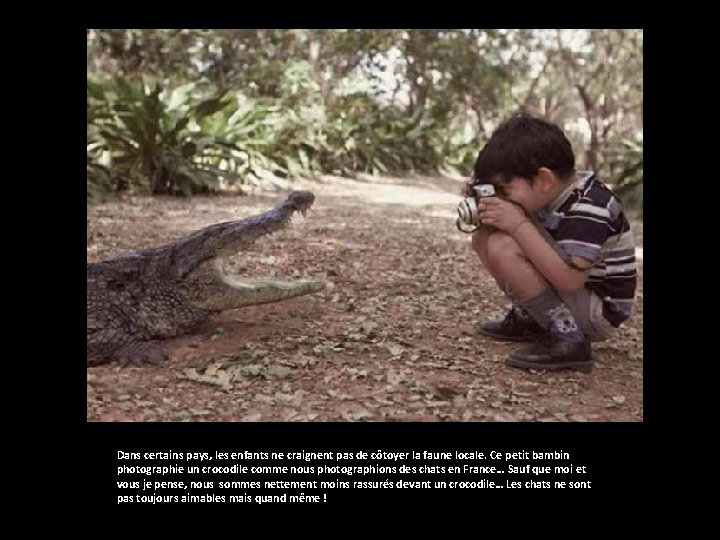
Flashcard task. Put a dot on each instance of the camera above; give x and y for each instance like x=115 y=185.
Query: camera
x=468 y=210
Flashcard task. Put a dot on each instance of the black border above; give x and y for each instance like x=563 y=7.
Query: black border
x=621 y=454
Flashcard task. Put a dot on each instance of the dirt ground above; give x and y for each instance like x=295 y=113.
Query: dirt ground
x=390 y=339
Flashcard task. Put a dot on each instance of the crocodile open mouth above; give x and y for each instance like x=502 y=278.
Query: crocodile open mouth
x=262 y=290
x=222 y=289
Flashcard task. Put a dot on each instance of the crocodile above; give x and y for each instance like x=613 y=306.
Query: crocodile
x=138 y=299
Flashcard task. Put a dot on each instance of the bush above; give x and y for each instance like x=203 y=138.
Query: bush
x=152 y=135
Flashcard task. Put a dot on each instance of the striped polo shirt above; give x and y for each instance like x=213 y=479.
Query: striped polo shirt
x=588 y=221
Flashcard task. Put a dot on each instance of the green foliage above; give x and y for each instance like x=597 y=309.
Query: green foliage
x=193 y=111
x=626 y=161
x=152 y=135
x=175 y=141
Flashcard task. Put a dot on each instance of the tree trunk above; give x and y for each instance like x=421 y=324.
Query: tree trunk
x=417 y=48
x=591 y=152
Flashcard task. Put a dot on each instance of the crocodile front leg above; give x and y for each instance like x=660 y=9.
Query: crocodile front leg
x=141 y=353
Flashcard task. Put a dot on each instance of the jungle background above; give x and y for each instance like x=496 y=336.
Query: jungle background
x=190 y=127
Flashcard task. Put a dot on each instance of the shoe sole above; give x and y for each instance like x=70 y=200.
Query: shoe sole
x=510 y=339
x=583 y=367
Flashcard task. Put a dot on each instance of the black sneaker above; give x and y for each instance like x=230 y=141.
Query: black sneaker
x=512 y=328
x=553 y=354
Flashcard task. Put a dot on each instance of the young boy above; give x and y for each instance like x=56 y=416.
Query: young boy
x=563 y=252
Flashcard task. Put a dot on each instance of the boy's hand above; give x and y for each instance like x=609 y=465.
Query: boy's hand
x=501 y=214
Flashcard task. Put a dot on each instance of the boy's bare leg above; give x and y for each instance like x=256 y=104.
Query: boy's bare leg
x=506 y=261
x=479 y=244
x=530 y=289
x=518 y=325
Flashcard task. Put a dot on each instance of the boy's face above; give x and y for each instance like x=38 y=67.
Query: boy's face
x=532 y=196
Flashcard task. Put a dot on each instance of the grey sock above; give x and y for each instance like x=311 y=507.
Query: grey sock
x=521 y=312
x=549 y=312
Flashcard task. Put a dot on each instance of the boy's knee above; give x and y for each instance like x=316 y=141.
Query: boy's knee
x=500 y=245
x=479 y=241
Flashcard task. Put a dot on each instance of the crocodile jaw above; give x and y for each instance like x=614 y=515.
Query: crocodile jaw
x=221 y=291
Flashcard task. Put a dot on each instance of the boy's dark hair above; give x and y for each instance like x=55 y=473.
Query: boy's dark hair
x=520 y=146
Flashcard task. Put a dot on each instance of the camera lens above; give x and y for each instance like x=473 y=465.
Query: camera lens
x=467 y=211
